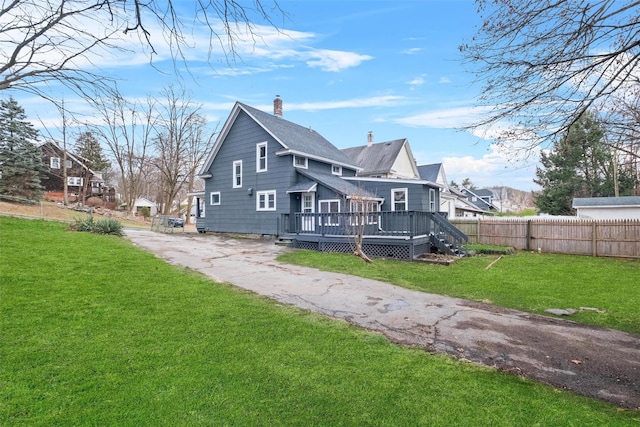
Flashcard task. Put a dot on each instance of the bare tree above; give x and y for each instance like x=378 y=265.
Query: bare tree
x=181 y=143
x=544 y=63
x=363 y=215
x=59 y=41
x=126 y=129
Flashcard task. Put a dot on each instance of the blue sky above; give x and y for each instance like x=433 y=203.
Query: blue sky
x=343 y=68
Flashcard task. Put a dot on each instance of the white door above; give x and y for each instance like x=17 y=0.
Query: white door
x=308 y=206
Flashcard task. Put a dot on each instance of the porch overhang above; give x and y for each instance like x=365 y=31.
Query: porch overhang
x=303 y=187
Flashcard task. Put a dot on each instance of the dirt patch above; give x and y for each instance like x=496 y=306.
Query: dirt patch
x=440 y=259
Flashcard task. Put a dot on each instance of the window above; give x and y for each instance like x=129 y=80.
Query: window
x=68 y=163
x=266 y=200
x=370 y=207
x=215 y=198
x=261 y=157
x=54 y=162
x=74 y=181
x=300 y=162
x=432 y=200
x=237 y=174
x=399 y=199
x=336 y=170
x=330 y=207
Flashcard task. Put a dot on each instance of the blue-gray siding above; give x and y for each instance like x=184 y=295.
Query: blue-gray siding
x=237 y=211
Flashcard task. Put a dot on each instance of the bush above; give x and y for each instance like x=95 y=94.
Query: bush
x=94 y=202
x=103 y=226
x=145 y=212
x=108 y=226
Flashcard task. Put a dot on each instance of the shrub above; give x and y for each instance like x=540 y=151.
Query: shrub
x=145 y=212
x=108 y=226
x=103 y=226
x=94 y=202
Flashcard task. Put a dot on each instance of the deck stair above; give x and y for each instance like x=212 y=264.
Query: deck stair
x=447 y=239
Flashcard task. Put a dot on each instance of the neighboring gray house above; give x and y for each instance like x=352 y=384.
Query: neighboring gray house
x=482 y=198
x=452 y=201
x=266 y=175
x=389 y=159
x=608 y=207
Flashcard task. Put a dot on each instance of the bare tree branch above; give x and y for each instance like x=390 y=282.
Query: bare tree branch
x=44 y=42
x=544 y=63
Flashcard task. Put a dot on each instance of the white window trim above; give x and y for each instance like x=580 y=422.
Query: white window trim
x=432 y=200
x=337 y=172
x=54 y=162
x=304 y=166
x=328 y=218
x=406 y=198
x=75 y=181
x=372 y=207
x=258 y=146
x=211 y=198
x=234 y=183
x=266 y=200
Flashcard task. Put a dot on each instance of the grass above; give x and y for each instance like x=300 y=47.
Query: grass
x=525 y=281
x=94 y=331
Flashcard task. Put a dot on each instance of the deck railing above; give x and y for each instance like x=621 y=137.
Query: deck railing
x=407 y=224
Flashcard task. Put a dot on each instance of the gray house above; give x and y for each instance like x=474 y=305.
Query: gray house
x=266 y=175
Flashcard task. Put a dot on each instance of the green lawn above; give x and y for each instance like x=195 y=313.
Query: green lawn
x=525 y=281
x=94 y=331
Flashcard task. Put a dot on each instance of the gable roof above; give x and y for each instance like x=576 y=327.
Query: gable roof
x=480 y=194
x=337 y=184
x=95 y=176
x=380 y=157
x=293 y=138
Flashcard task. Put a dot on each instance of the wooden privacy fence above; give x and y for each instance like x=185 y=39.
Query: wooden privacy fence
x=606 y=238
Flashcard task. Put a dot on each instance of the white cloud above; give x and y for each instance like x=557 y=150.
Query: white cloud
x=412 y=51
x=494 y=168
x=444 y=80
x=375 y=101
x=448 y=118
x=418 y=81
x=334 y=60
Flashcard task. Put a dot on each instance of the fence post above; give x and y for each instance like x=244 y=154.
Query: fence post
x=594 y=238
x=528 y=243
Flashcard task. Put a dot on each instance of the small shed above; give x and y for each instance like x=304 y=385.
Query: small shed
x=145 y=203
x=627 y=207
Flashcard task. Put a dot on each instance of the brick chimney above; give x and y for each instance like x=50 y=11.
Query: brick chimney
x=370 y=138
x=277 y=106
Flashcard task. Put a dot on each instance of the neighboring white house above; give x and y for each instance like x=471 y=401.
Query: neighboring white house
x=145 y=203
x=607 y=207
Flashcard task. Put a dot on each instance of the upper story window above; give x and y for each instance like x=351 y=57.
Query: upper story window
x=54 y=162
x=300 y=162
x=399 y=199
x=74 y=181
x=215 y=198
x=68 y=164
x=336 y=170
x=261 y=157
x=237 y=174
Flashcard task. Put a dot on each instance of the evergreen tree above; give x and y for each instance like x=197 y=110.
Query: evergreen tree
x=20 y=157
x=468 y=184
x=580 y=165
x=88 y=147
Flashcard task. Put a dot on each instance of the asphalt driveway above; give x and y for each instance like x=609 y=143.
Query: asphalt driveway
x=596 y=362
